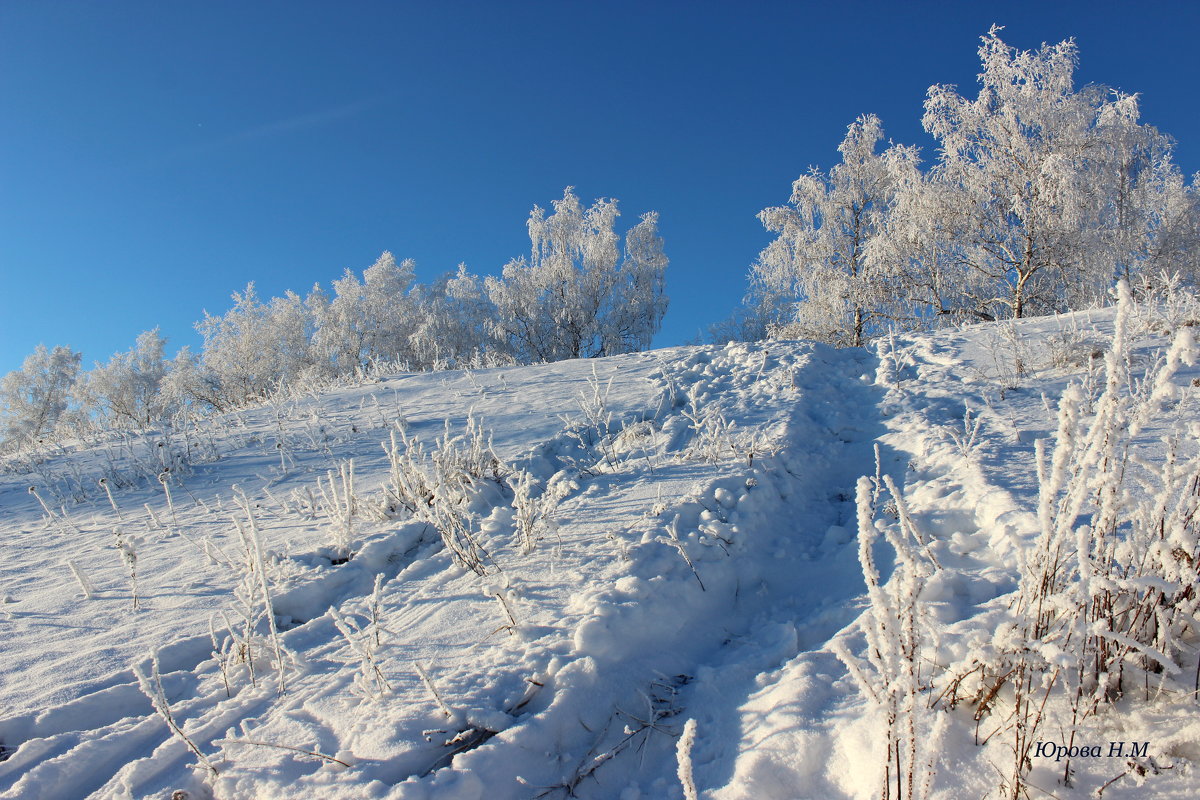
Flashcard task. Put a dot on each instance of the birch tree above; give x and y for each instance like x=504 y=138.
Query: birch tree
x=369 y=320
x=34 y=397
x=455 y=323
x=1025 y=166
x=1147 y=223
x=576 y=296
x=820 y=262
x=124 y=392
x=254 y=347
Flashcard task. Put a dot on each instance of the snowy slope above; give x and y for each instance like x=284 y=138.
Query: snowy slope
x=961 y=426
x=663 y=537
x=678 y=544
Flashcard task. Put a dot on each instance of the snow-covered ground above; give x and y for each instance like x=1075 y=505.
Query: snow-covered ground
x=661 y=537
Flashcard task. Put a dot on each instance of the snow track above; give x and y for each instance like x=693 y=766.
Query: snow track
x=959 y=431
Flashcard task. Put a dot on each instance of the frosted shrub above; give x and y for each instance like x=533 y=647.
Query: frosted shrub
x=340 y=505
x=469 y=454
x=594 y=430
x=593 y=404
x=502 y=595
x=164 y=480
x=1112 y=578
x=966 y=436
x=364 y=642
x=896 y=629
x=409 y=487
x=534 y=505
x=127 y=547
x=1166 y=304
x=151 y=686
x=713 y=433
x=1071 y=347
x=302 y=503
x=897 y=361
x=1011 y=357
x=253 y=607
x=1106 y=600
x=438 y=487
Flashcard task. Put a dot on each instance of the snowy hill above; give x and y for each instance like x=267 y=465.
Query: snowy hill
x=524 y=582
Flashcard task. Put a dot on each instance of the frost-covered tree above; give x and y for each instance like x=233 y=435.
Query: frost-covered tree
x=293 y=324
x=576 y=296
x=34 y=397
x=917 y=242
x=1041 y=196
x=455 y=323
x=1031 y=171
x=254 y=347
x=369 y=320
x=125 y=391
x=1147 y=221
x=639 y=299
x=820 y=263
x=189 y=386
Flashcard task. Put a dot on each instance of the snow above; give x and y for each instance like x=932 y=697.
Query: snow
x=696 y=563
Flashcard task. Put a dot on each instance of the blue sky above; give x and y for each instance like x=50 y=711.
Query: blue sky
x=157 y=156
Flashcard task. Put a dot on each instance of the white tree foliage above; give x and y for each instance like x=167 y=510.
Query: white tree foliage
x=820 y=263
x=576 y=297
x=189 y=386
x=1148 y=222
x=255 y=347
x=34 y=397
x=1042 y=196
x=371 y=320
x=1052 y=189
x=125 y=392
x=455 y=324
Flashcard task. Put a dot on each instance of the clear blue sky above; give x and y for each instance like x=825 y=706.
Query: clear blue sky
x=156 y=156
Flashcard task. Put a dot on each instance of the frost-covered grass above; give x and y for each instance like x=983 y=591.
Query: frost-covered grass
x=757 y=571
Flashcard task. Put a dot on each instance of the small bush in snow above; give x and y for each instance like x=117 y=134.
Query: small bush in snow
x=1112 y=576
x=151 y=686
x=438 y=487
x=714 y=436
x=127 y=547
x=896 y=628
x=534 y=505
x=1166 y=304
x=966 y=436
x=364 y=642
x=1071 y=347
x=1107 y=603
x=253 y=607
x=339 y=504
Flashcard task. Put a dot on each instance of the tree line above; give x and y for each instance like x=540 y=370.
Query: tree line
x=579 y=293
